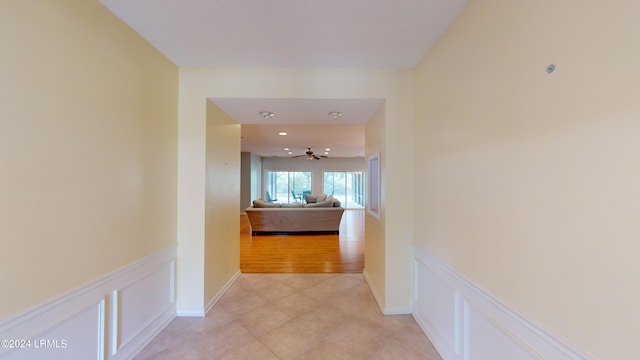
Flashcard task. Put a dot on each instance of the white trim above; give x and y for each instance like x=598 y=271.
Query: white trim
x=133 y=348
x=102 y=326
x=222 y=291
x=480 y=321
x=373 y=290
x=172 y=276
x=195 y=312
x=201 y=312
x=115 y=314
x=385 y=310
x=397 y=311
x=15 y=321
x=103 y=294
x=374 y=185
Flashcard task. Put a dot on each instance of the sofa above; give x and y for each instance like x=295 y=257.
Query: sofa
x=314 y=217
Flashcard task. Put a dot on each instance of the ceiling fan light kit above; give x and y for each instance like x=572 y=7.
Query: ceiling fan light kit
x=335 y=114
x=266 y=114
x=311 y=156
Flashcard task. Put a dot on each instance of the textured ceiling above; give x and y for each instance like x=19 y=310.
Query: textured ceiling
x=292 y=33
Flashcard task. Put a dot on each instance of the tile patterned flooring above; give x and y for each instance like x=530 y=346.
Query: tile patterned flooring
x=293 y=316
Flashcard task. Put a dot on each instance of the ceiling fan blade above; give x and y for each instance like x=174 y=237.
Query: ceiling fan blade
x=310 y=155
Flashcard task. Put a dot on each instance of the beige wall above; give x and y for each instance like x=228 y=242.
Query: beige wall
x=528 y=180
x=88 y=142
x=397 y=194
x=246 y=173
x=251 y=182
x=198 y=84
x=222 y=188
x=374 y=246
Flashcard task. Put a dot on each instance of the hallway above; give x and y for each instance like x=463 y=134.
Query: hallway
x=293 y=316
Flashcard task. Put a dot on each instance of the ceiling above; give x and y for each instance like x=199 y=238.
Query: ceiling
x=392 y=34
x=306 y=121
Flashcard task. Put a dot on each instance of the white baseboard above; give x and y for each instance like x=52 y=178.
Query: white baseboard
x=188 y=312
x=398 y=310
x=465 y=322
x=385 y=310
x=373 y=290
x=200 y=312
x=222 y=291
x=112 y=317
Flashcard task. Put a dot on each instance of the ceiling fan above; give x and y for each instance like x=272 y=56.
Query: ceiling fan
x=310 y=155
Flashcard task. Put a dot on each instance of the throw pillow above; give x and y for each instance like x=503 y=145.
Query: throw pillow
x=321 y=204
x=264 y=204
x=310 y=199
x=291 y=205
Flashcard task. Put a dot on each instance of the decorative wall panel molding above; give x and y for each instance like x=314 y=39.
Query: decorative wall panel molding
x=110 y=318
x=466 y=323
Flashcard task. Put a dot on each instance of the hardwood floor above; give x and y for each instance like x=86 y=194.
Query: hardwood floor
x=342 y=253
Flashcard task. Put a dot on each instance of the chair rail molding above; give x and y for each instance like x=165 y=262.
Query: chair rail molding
x=465 y=322
x=112 y=317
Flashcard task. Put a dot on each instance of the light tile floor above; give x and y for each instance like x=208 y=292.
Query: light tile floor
x=293 y=316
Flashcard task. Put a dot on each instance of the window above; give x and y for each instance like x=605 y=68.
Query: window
x=346 y=186
x=287 y=186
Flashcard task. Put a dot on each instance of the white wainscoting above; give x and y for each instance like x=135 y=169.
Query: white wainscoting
x=466 y=323
x=111 y=318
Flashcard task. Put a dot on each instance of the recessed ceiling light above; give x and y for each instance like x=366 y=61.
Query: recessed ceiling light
x=286 y=149
x=267 y=114
x=290 y=152
x=335 y=114
x=282 y=133
x=326 y=153
x=327 y=149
